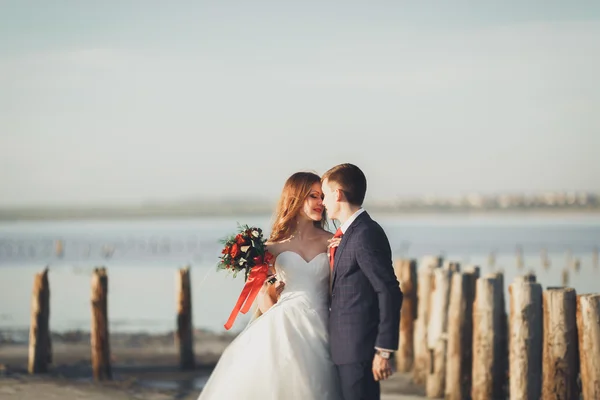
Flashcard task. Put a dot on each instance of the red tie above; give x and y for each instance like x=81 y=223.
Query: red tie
x=338 y=234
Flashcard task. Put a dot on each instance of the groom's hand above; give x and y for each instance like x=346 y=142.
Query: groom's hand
x=382 y=368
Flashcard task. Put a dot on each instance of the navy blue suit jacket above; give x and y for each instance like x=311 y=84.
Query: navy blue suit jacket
x=366 y=297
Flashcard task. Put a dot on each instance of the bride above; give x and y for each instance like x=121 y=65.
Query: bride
x=284 y=351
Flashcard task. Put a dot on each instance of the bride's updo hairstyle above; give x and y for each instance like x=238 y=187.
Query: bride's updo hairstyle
x=294 y=193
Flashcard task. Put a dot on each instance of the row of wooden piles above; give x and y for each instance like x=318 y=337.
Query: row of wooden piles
x=40 y=343
x=458 y=341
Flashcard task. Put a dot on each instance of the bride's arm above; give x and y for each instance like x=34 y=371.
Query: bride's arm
x=269 y=293
x=266 y=297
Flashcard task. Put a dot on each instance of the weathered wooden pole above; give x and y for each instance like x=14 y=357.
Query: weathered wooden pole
x=452 y=266
x=492 y=259
x=520 y=262
x=406 y=271
x=185 y=329
x=59 y=248
x=588 y=328
x=424 y=292
x=40 y=342
x=530 y=277
x=560 y=366
x=525 y=340
x=437 y=334
x=576 y=264
x=504 y=334
x=489 y=374
x=99 y=336
x=565 y=277
x=545 y=259
x=459 y=368
x=473 y=269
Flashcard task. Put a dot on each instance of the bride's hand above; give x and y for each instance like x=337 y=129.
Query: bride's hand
x=279 y=286
x=270 y=294
x=334 y=242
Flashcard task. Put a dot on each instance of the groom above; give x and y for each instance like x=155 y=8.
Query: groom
x=366 y=299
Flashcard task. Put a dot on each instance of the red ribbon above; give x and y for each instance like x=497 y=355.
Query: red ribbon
x=256 y=278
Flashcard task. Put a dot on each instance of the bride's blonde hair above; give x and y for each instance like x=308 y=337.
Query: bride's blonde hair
x=294 y=193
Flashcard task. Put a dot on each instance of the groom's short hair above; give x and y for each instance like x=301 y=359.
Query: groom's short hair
x=351 y=180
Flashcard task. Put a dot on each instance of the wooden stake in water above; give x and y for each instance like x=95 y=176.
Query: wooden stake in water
x=99 y=335
x=560 y=366
x=406 y=272
x=565 y=277
x=459 y=366
x=545 y=259
x=489 y=353
x=520 y=262
x=437 y=334
x=492 y=259
x=185 y=329
x=525 y=340
x=588 y=327
x=40 y=343
x=59 y=248
x=425 y=287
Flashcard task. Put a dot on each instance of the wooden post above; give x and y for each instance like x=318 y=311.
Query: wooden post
x=185 y=329
x=452 y=266
x=40 y=342
x=459 y=367
x=59 y=248
x=588 y=328
x=437 y=334
x=545 y=259
x=492 y=259
x=525 y=340
x=99 y=335
x=565 y=277
x=424 y=291
x=576 y=264
x=489 y=375
x=530 y=277
x=473 y=269
x=520 y=262
x=560 y=366
x=406 y=271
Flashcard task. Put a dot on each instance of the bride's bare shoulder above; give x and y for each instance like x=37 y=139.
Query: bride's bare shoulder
x=324 y=237
x=325 y=234
x=273 y=247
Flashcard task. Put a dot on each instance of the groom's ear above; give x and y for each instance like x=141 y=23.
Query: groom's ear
x=339 y=196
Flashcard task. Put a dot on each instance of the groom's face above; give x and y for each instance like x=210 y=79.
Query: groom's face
x=330 y=199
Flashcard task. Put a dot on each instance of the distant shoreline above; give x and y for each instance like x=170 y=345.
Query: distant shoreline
x=65 y=214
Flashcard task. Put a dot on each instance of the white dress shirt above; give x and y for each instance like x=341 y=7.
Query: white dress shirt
x=350 y=220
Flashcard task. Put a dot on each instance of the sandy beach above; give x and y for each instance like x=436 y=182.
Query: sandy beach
x=144 y=367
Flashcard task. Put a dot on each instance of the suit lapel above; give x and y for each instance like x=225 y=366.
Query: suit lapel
x=343 y=242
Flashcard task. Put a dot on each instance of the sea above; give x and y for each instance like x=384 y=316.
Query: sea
x=142 y=257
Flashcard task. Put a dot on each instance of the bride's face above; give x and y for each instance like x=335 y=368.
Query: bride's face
x=313 y=205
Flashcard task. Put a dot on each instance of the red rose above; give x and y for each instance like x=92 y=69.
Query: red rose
x=239 y=239
x=225 y=250
x=235 y=251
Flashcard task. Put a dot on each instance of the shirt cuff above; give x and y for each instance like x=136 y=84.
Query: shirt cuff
x=388 y=350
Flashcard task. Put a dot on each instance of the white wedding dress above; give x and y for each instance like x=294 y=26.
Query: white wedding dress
x=283 y=354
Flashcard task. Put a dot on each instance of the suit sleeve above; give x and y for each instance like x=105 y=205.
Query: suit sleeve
x=374 y=258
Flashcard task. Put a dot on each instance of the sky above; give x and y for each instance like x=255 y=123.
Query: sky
x=124 y=102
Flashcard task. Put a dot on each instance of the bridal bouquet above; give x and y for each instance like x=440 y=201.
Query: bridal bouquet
x=245 y=251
